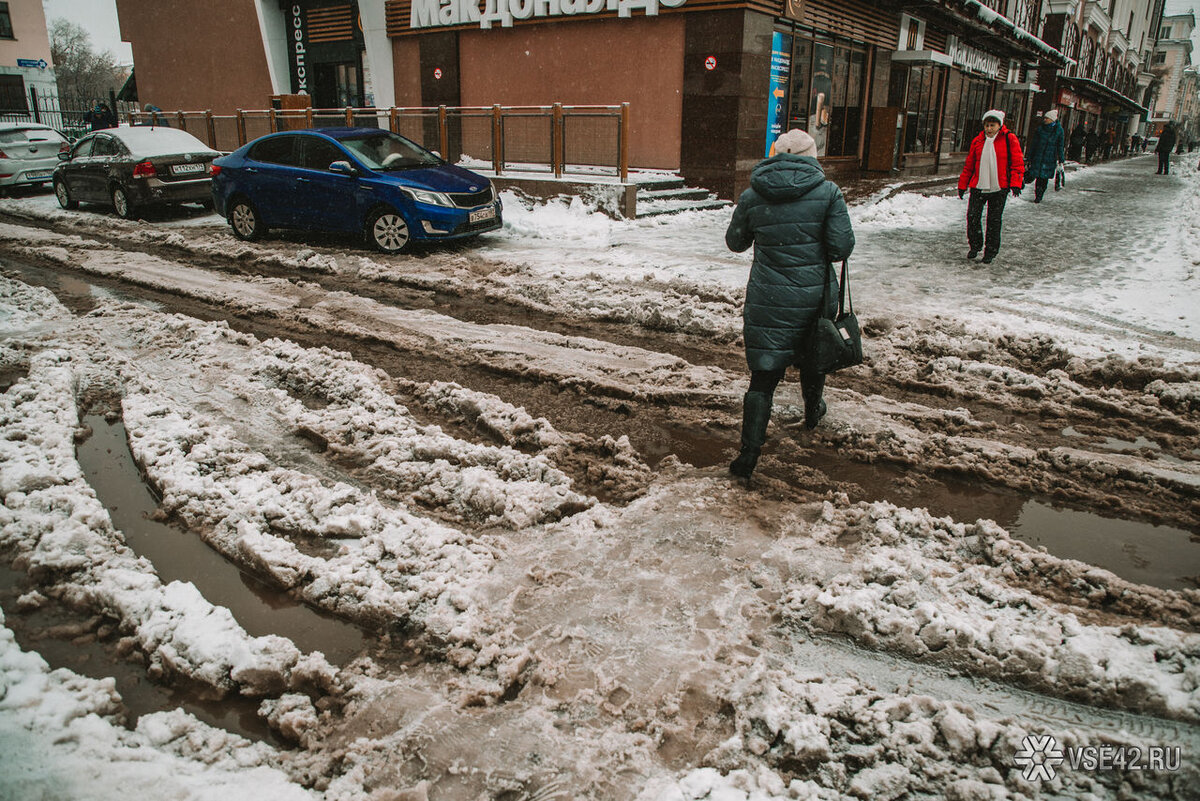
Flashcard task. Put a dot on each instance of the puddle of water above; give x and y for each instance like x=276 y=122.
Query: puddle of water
x=77 y=294
x=1114 y=444
x=180 y=555
x=97 y=658
x=1160 y=556
x=10 y=376
x=943 y=496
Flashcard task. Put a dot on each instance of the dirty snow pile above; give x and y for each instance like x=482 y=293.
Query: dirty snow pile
x=686 y=641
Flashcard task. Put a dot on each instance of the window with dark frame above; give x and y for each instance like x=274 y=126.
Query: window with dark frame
x=12 y=93
x=825 y=93
x=976 y=98
x=917 y=88
x=6 y=28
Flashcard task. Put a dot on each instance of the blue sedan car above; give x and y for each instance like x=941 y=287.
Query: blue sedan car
x=353 y=180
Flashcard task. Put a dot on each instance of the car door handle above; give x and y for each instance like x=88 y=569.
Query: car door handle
x=251 y=169
x=304 y=180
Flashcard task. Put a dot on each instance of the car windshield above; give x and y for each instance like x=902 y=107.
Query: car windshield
x=387 y=151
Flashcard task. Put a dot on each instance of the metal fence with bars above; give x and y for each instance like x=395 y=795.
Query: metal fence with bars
x=549 y=139
x=65 y=114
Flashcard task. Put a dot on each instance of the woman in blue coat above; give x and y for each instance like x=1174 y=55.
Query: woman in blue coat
x=798 y=224
x=1044 y=154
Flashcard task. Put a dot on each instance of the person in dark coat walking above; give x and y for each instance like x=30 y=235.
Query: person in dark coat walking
x=995 y=166
x=100 y=117
x=1090 y=143
x=799 y=225
x=1045 y=154
x=1166 y=142
x=1078 y=135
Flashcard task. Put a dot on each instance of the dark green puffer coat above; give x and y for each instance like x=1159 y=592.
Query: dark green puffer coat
x=797 y=221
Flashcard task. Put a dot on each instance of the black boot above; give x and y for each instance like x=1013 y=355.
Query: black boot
x=756 y=411
x=812 y=387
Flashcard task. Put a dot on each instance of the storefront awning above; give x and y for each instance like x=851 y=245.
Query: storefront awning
x=1102 y=92
x=977 y=23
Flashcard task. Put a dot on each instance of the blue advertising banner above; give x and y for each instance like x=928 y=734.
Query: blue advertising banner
x=781 y=69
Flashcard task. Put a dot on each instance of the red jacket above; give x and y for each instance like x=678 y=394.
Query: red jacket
x=1010 y=162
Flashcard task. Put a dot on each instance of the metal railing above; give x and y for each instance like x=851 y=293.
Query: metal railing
x=65 y=114
x=552 y=139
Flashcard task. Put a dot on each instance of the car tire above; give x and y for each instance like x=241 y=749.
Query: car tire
x=245 y=221
x=387 y=231
x=64 y=196
x=122 y=205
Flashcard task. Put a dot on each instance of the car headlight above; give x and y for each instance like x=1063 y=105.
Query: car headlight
x=428 y=197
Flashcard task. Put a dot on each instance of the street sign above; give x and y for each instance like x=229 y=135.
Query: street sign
x=39 y=63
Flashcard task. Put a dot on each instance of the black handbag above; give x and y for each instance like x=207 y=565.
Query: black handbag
x=1060 y=177
x=834 y=342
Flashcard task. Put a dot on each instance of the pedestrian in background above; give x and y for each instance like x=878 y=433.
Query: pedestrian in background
x=1166 y=141
x=157 y=118
x=1110 y=142
x=995 y=167
x=1078 y=136
x=1045 y=154
x=100 y=117
x=799 y=224
x=1090 y=144
x=1137 y=144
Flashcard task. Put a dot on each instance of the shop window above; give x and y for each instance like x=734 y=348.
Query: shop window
x=6 y=29
x=12 y=93
x=826 y=93
x=918 y=90
x=974 y=100
x=1013 y=105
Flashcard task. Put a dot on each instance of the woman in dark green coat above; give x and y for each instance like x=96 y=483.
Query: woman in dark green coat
x=799 y=225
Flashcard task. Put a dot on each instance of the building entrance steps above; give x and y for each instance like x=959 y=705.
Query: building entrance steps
x=672 y=195
x=647 y=193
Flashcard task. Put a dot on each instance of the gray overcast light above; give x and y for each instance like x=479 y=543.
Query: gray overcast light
x=98 y=17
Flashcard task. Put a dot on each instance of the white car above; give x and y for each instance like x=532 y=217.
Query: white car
x=28 y=153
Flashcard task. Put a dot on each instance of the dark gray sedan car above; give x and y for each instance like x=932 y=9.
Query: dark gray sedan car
x=135 y=167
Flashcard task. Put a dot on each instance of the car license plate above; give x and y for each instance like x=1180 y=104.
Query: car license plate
x=37 y=176
x=479 y=215
x=183 y=169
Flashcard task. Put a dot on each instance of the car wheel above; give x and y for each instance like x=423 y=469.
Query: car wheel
x=121 y=203
x=387 y=230
x=64 y=195
x=245 y=222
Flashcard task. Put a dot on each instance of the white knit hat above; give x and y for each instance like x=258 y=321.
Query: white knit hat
x=1051 y=115
x=796 y=141
x=995 y=114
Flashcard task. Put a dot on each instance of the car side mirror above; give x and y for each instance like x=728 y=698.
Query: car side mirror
x=343 y=167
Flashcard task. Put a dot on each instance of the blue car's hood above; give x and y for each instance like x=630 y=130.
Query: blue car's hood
x=443 y=178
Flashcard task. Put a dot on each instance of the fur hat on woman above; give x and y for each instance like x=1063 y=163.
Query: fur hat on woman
x=995 y=114
x=796 y=141
x=1050 y=116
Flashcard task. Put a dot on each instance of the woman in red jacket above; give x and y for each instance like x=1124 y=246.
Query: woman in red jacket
x=995 y=166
